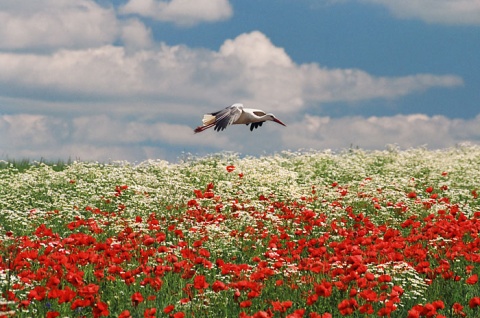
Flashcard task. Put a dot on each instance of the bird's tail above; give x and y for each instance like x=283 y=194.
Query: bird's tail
x=204 y=127
x=208 y=119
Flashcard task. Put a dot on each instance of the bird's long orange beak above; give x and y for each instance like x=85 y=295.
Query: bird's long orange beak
x=279 y=122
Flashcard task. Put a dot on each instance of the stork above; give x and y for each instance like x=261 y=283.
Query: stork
x=234 y=115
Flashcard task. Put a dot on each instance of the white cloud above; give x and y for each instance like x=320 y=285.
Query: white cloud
x=135 y=35
x=255 y=50
x=139 y=99
x=328 y=85
x=435 y=11
x=98 y=137
x=376 y=132
x=103 y=138
x=27 y=130
x=180 y=12
x=48 y=24
x=248 y=68
x=134 y=131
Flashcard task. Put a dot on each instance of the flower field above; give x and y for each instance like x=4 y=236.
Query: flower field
x=360 y=234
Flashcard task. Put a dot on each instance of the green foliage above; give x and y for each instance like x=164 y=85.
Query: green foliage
x=270 y=229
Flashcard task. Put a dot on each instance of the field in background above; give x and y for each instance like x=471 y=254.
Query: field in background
x=386 y=233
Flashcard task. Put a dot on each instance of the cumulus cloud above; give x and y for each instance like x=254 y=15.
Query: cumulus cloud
x=249 y=68
x=376 y=132
x=180 y=12
x=104 y=138
x=86 y=81
x=328 y=85
x=135 y=35
x=107 y=131
x=435 y=11
x=44 y=24
x=98 y=137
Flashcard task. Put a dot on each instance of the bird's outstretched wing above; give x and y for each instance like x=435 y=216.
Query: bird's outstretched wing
x=221 y=119
x=227 y=116
x=255 y=125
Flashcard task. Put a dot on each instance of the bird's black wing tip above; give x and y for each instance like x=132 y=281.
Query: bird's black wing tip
x=255 y=125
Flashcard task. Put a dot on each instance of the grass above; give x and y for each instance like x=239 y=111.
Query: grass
x=317 y=234
x=25 y=164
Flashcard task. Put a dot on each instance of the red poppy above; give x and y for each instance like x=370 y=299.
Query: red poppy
x=412 y=195
x=88 y=291
x=317 y=315
x=80 y=303
x=366 y=309
x=245 y=304
x=312 y=299
x=429 y=310
x=66 y=295
x=368 y=295
x=137 y=298
x=208 y=195
x=415 y=311
x=324 y=289
x=472 y=280
x=218 y=286
x=100 y=309
x=199 y=282
x=438 y=304
x=297 y=313
x=168 y=309
x=125 y=314
x=150 y=313
x=24 y=303
x=210 y=187
x=38 y=293
x=384 y=278
x=347 y=306
x=474 y=302
x=261 y=314
x=387 y=310
x=458 y=310
x=281 y=306
x=230 y=168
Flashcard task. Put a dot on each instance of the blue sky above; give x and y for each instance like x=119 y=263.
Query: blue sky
x=129 y=80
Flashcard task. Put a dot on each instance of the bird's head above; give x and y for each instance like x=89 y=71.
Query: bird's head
x=272 y=117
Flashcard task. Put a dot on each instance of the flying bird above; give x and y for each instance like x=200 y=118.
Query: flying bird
x=234 y=115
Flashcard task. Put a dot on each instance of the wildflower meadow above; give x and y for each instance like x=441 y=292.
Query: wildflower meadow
x=391 y=233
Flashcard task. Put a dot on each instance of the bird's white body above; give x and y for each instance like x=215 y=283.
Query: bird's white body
x=234 y=115
x=247 y=116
